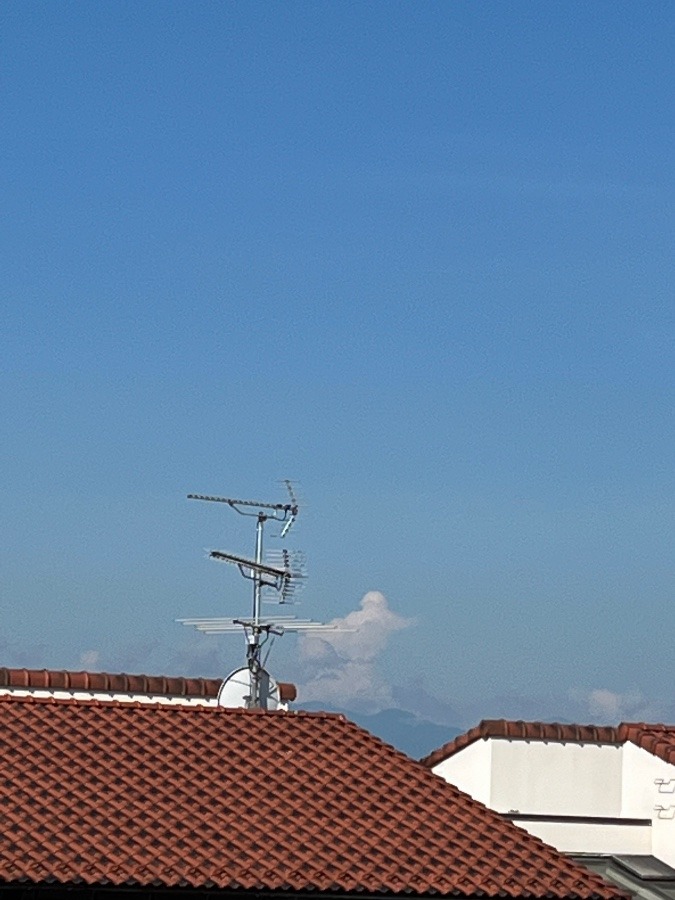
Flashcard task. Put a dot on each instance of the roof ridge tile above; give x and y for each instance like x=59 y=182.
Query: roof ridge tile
x=120 y=682
x=523 y=730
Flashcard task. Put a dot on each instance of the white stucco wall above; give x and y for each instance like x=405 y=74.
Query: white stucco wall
x=640 y=791
x=555 y=778
x=559 y=779
x=591 y=837
x=470 y=770
x=649 y=791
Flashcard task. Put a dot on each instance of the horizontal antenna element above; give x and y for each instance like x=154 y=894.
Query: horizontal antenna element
x=287 y=510
x=277 y=625
x=249 y=564
x=232 y=502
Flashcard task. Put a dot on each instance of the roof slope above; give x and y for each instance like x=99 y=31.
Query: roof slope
x=119 y=793
x=656 y=739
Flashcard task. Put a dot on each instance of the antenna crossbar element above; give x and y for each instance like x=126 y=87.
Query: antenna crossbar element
x=231 y=500
x=285 y=570
x=281 y=511
x=244 y=563
x=275 y=625
x=206 y=620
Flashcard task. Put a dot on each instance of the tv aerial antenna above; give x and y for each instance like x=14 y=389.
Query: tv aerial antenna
x=281 y=575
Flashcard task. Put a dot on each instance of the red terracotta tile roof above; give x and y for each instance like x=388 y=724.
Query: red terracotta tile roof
x=194 y=796
x=46 y=679
x=532 y=731
x=657 y=739
x=62 y=680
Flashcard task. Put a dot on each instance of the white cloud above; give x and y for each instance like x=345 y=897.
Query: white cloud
x=608 y=704
x=605 y=706
x=350 y=684
x=89 y=659
x=342 y=664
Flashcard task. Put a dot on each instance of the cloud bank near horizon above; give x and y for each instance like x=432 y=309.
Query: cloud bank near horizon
x=612 y=707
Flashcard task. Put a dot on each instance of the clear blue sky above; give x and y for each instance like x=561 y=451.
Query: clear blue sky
x=418 y=256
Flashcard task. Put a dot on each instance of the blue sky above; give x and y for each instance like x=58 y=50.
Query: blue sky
x=417 y=256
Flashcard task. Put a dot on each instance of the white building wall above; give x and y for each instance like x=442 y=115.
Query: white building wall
x=555 y=778
x=649 y=792
x=640 y=791
x=470 y=770
x=663 y=837
x=570 y=782
x=591 y=837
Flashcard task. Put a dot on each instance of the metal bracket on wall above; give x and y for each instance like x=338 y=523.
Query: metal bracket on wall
x=665 y=785
x=665 y=812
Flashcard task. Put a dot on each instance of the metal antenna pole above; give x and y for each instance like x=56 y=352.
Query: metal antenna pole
x=257 y=581
x=253 y=650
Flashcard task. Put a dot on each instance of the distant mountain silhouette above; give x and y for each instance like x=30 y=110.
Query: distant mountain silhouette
x=405 y=731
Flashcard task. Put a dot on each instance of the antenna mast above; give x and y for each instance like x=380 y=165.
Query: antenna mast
x=283 y=574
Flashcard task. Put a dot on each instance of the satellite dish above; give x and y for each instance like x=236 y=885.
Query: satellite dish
x=236 y=690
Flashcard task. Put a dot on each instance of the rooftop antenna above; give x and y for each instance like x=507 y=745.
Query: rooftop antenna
x=282 y=575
